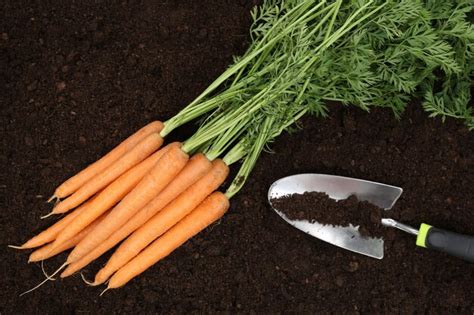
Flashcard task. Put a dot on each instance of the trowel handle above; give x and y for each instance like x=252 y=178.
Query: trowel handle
x=455 y=244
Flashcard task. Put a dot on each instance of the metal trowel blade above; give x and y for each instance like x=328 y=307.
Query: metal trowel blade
x=338 y=188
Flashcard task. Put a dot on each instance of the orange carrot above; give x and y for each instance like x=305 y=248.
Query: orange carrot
x=150 y=186
x=53 y=231
x=141 y=151
x=210 y=210
x=49 y=250
x=75 y=182
x=196 y=168
x=111 y=195
x=165 y=219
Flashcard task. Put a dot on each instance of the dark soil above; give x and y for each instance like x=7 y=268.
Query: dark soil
x=318 y=207
x=77 y=77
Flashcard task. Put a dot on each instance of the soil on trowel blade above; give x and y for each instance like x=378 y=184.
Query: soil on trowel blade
x=318 y=207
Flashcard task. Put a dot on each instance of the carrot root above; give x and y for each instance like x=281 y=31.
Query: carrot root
x=194 y=170
x=45 y=273
x=45 y=280
x=137 y=154
x=53 y=197
x=164 y=171
x=69 y=271
x=47 y=215
x=74 y=183
x=36 y=287
x=176 y=210
x=52 y=232
x=112 y=194
x=106 y=289
x=48 y=251
x=90 y=283
x=209 y=211
x=17 y=247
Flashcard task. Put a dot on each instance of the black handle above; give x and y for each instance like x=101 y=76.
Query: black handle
x=455 y=244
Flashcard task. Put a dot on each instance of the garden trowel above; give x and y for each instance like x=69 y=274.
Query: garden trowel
x=381 y=195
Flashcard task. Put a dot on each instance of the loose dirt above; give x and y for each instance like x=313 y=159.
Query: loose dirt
x=318 y=207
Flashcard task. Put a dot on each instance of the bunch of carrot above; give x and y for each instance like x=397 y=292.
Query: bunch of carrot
x=303 y=53
x=153 y=199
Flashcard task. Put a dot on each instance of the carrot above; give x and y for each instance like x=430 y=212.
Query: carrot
x=151 y=185
x=111 y=195
x=196 y=168
x=142 y=150
x=164 y=220
x=49 y=250
x=53 y=231
x=210 y=210
x=76 y=181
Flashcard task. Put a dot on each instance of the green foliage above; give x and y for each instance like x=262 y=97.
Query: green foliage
x=363 y=53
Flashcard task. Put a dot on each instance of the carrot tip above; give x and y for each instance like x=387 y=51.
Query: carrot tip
x=52 y=198
x=16 y=247
x=34 y=288
x=70 y=259
x=65 y=273
x=45 y=280
x=47 y=215
x=87 y=281
x=106 y=289
x=45 y=273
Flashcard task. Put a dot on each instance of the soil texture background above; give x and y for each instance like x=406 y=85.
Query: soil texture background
x=78 y=77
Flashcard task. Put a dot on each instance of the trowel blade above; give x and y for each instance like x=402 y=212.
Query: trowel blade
x=338 y=188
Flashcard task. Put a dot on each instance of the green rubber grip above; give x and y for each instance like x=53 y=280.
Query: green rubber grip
x=422 y=234
x=455 y=244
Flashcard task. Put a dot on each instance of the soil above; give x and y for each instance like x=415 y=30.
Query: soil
x=318 y=207
x=76 y=78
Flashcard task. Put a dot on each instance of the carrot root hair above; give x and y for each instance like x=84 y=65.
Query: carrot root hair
x=53 y=198
x=16 y=246
x=47 y=215
x=45 y=273
x=89 y=283
x=218 y=222
x=101 y=293
x=45 y=280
